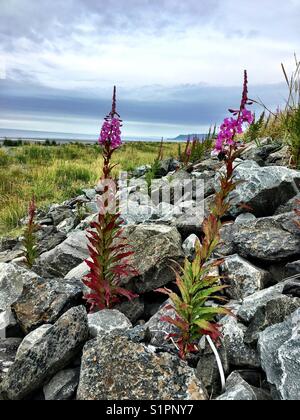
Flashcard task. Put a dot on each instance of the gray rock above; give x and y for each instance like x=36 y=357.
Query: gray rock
x=263 y=189
x=31 y=340
x=243 y=277
x=10 y=255
x=159 y=329
x=62 y=386
x=280 y=157
x=252 y=303
x=8 y=350
x=47 y=242
x=66 y=256
x=274 y=312
x=8 y=325
x=270 y=239
x=189 y=246
x=115 y=368
x=59 y=213
x=293 y=268
x=292 y=287
x=12 y=279
x=51 y=354
x=90 y=193
x=289 y=206
x=154 y=246
x=134 y=213
x=67 y=225
x=279 y=347
x=107 y=321
x=132 y=309
x=44 y=301
x=141 y=170
x=244 y=218
x=237 y=389
x=239 y=353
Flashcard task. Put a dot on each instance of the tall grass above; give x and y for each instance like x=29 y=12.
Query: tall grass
x=54 y=174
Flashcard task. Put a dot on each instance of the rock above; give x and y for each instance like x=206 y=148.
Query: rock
x=239 y=353
x=154 y=246
x=280 y=157
x=12 y=278
x=44 y=301
x=269 y=239
x=48 y=242
x=134 y=213
x=274 y=312
x=52 y=353
x=67 y=225
x=8 y=350
x=263 y=189
x=62 y=386
x=159 y=329
x=31 y=340
x=289 y=206
x=90 y=193
x=115 y=368
x=279 y=348
x=78 y=272
x=207 y=369
x=132 y=309
x=106 y=321
x=292 y=287
x=7 y=244
x=66 y=256
x=293 y=268
x=189 y=246
x=261 y=154
x=244 y=218
x=141 y=171
x=208 y=178
x=8 y=325
x=237 y=389
x=10 y=255
x=243 y=277
x=252 y=303
x=139 y=334
x=59 y=213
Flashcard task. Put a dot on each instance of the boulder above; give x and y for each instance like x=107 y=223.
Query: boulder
x=31 y=339
x=259 y=300
x=8 y=350
x=274 y=312
x=154 y=246
x=115 y=368
x=263 y=189
x=269 y=239
x=159 y=329
x=106 y=321
x=66 y=256
x=12 y=279
x=289 y=206
x=62 y=386
x=292 y=287
x=189 y=246
x=44 y=301
x=243 y=277
x=56 y=348
x=279 y=348
x=293 y=268
x=59 y=213
x=239 y=353
x=237 y=389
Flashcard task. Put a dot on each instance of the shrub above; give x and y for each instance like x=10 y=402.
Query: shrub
x=196 y=285
x=108 y=248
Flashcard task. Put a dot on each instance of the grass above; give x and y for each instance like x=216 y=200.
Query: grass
x=54 y=174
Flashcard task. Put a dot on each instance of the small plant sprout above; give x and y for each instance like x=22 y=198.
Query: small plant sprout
x=108 y=248
x=30 y=241
x=196 y=284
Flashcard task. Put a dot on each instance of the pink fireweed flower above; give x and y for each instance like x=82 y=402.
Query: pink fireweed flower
x=110 y=135
x=234 y=125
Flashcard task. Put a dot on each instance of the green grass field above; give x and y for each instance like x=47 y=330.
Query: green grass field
x=56 y=173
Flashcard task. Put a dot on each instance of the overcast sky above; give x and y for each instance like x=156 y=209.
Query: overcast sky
x=178 y=64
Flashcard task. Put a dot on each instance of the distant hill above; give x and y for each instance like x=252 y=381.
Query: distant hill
x=184 y=137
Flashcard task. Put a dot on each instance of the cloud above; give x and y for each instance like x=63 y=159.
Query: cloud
x=174 y=62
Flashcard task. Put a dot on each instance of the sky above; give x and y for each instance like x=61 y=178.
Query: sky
x=178 y=65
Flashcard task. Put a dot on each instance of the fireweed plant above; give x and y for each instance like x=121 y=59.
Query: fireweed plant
x=30 y=241
x=108 y=248
x=195 y=282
